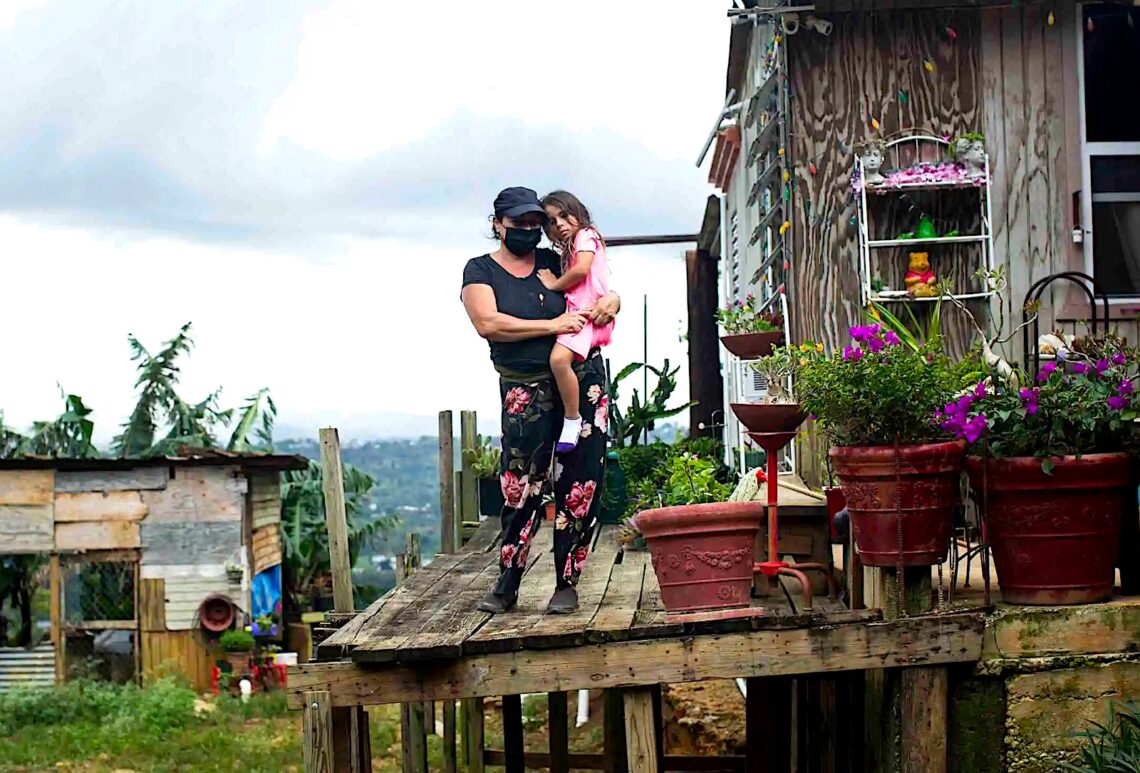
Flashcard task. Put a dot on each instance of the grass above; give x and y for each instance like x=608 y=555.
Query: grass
x=95 y=727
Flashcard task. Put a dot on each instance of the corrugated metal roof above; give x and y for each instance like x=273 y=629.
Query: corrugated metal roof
x=27 y=668
x=277 y=462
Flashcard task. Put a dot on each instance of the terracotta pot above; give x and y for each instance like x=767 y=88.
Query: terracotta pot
x=239 y=662
x=764 y=417
x=751 y=346
x=919 y=489
x=702 y=554
x=1055 y=538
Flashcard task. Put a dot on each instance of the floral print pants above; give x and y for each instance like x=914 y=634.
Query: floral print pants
x=532 y=421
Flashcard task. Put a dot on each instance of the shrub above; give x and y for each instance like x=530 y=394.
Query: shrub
x=1113 y=747
x=164 y=705
x=237 y=641
x=742 y=317
x=877 y=391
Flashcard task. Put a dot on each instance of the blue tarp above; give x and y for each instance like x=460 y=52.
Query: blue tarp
x=266 y=591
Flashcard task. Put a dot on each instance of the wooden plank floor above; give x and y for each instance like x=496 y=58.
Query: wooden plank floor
x=432 y=616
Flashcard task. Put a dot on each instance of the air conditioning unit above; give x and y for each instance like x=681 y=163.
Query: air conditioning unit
x=753 y=386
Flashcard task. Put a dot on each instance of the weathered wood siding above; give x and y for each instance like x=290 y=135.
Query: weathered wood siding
x=140 y=479
x=23 y=668
x=26 y=511
x=185 y=586
x=265 y=498
x=266 y=547
x=96 y=535
x=100 y=506
x=839 y=83
x=176 y=652
x=197 y=494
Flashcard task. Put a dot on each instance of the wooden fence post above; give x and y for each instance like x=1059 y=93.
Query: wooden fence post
x=472 y=713
x=640 y=731
x=468 y=492
x=447 y=535
x=413 y=730
x=350 y=743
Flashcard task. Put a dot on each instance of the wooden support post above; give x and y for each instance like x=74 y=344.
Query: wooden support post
x=468 y=492
x=923 y=708
x=450 y=758
x=640 y=733
x=854 y=570
x=513 y=744
x=472 y=714
x=558 y=731
x=56 y=605
x=705 y=381
x=414 y=741
x=768 y=724
x=447 y=532
x=826 y=724
x=317 y=729
x=658 y=722
x=904 y=708
x=349 y=726
x=613 y=718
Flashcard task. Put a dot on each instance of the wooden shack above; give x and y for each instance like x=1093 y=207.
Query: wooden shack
x=1049 y=85
x=136 y=545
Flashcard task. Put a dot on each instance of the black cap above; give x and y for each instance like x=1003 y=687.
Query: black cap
x=513 y=202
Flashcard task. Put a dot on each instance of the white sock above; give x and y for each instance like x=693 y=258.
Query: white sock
x=570 y=430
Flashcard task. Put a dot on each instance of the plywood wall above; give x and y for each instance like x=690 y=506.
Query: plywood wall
x=177 y=652
x=26 y=511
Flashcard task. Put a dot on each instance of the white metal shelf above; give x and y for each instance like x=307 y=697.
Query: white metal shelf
x=880 y=243
x=982 y=243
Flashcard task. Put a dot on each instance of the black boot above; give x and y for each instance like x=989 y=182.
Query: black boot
x=497 y=603
x=564 y=601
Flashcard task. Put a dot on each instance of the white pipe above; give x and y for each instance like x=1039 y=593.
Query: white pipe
x=583 y=708
x=743 y=687
x=716 y=126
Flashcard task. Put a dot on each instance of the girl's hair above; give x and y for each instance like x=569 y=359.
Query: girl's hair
x=571 y=205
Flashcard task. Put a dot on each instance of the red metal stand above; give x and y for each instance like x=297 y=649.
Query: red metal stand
x=774 y=568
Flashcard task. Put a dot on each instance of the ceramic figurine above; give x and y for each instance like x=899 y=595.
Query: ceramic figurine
x=871 y=159
x=920 y=280
x=925 y=229
x=970 y=152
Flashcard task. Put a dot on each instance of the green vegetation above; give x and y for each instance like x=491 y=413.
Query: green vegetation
x=641 y=418
x=237 y=641
x=1113 y=747
x=684 y=472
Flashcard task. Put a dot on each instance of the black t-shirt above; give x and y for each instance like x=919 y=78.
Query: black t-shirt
x=524 y=298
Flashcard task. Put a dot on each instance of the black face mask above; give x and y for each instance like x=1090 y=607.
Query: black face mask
x=522 y=241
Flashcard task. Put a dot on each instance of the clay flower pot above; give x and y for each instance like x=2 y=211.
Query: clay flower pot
x=752 y=346
x=765 y=417
x=921 y=486
x=1055 y=538
x=702 y=554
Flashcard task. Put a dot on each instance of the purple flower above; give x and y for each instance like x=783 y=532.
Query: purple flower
x=852 y=353
x=875 y=345
x=1102 y=365
x=892 y=338
x=1029 y=399
x=980 y=390
x=865 y=333
x=1047 y=370
x=964 y=402
x=1118 y=402
x=1080 y=368
x=1119 y=359
x=975 y=428
x=1125 y=387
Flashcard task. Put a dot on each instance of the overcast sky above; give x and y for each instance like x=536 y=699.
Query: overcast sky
x=304 y=180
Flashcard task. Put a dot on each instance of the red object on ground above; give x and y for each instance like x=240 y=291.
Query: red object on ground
x=749 y=346
x=702 y=554
x=900 y=496
x=1055 y=537
x=835 y=503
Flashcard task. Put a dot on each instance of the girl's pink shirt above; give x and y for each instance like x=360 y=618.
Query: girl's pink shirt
x=597 y=283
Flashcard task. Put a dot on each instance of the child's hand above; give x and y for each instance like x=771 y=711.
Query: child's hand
x=546 y=276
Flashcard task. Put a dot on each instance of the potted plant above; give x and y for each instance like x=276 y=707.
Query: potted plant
x=484 y=459
x=234 y=572
x=778 y=411
x=701 y=546
x=749 y=333
x=1051 y=464
x=899 y=475
x=237 y=646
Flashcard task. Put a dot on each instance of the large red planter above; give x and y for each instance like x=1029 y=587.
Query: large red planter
x=702 y=554
x=751 y=346
x=1055 y=538
x=901 y=500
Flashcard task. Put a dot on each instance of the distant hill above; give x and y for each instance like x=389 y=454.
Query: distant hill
x=406 y=472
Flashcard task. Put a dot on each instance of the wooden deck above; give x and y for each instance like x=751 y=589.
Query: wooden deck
x=425 y=640
x=433 y=615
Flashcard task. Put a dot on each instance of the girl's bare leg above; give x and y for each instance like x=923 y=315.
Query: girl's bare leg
x=562 y=365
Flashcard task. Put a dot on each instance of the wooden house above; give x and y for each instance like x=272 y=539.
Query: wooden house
x=1051 y=85
x=135 y=546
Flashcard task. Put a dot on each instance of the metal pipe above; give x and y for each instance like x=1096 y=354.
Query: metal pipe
x=789 y=571
x=716 y=125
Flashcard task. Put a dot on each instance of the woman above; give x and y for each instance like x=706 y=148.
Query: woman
x=514 y=311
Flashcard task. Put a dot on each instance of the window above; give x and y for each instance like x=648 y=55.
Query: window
x=1110 y=58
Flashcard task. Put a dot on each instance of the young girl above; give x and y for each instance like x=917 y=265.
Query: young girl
x=585 y=280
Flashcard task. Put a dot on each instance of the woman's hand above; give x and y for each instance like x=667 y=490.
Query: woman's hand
x=570 y=322
x=605 y=310
x=547 y=277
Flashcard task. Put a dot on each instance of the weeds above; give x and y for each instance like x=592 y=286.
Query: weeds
x=1113 y=747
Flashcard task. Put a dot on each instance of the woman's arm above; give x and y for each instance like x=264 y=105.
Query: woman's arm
x=479 y=301
x=577 y=273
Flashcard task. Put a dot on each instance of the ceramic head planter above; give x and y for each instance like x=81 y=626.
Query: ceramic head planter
x=970 y=151
x=871 y=158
